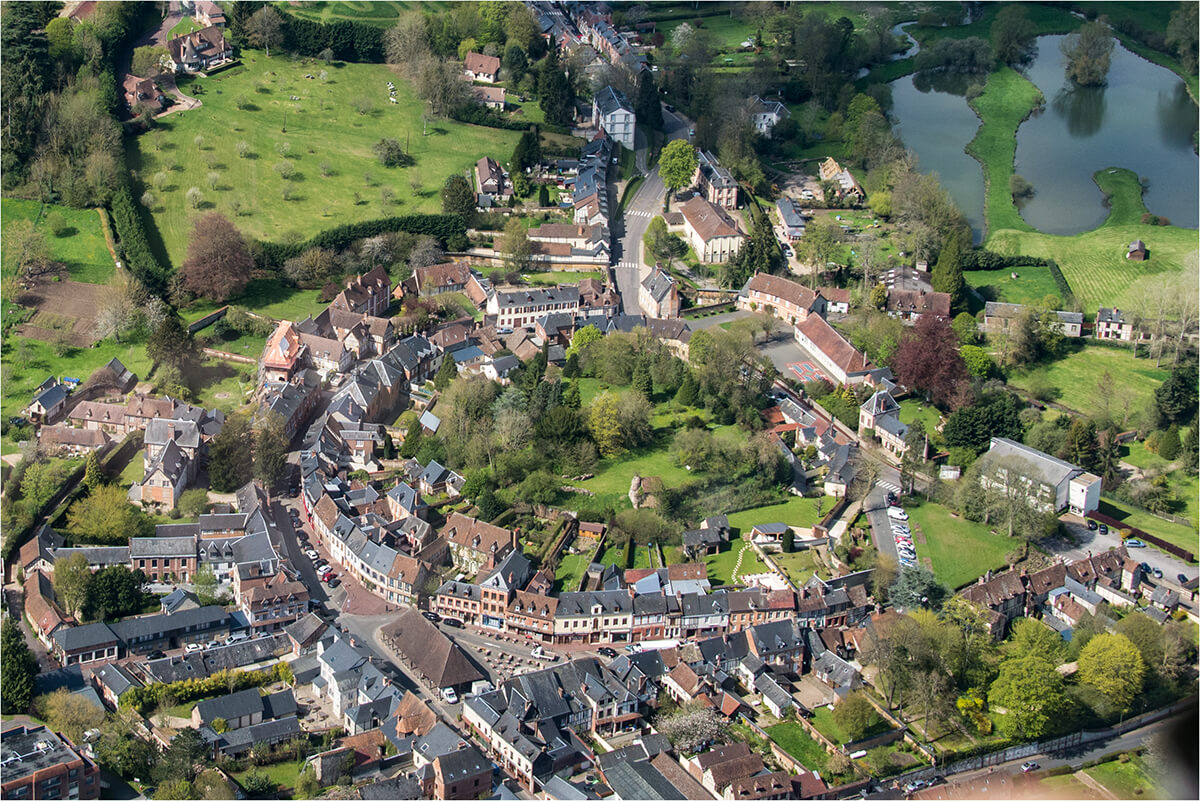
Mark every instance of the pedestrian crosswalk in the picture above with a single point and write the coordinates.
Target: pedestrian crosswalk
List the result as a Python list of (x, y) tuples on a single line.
[(629, 265), (636, 213), (889, 486)]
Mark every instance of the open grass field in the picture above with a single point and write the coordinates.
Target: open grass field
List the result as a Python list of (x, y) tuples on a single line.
[(41, 361), (960, 551), (913, 409), (1096, 380), (795, 511), (335, 179), (823, 720), (1127, 779), (284, 774), (382, 14), (82, 247), (796, 741), (1173, 533), (1030, 286), (728, 32), (721, 565), (1007, 99), (267, 296), (799, 565)]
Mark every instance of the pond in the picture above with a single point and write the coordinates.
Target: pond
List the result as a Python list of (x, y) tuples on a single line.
[(1143, 120), (936, 123)]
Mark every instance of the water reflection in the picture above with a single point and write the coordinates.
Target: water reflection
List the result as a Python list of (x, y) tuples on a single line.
[(951, 83), (1083, 109), (1177, 121)]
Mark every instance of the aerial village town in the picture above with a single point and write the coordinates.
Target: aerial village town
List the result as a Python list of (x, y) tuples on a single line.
[(585, 400)]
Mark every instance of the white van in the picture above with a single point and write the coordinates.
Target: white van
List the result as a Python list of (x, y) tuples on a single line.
[(241, 636)]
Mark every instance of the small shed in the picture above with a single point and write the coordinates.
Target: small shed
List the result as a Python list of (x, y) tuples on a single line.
[(1137, 251)]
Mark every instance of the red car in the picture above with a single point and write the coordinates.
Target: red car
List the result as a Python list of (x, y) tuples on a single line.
[(330, 575)]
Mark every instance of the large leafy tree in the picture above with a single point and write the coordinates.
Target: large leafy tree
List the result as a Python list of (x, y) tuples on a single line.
[(1089, 53), (186, 753), (1013, 35), (122, 750), (18, 669), (1033, 638), (928, 360), (1111, 663), (72, 714), (72, 577), (265, 29), (105, 515), (270, 448), (917, 587), (555, 92), (457, 196), (855, 715), (116, 591), (677, 164), (1183, 33), (231, 454), (1032, 692), (218, 263)]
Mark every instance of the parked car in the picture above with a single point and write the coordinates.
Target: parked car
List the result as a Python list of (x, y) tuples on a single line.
[(328, 577), (323, 569), (312, 555), (1103, 528), (1029, 767), (192, 647), (608, 652), (1181, 578), (1134, 544), (1145, 566), (449, 696), (433, 617), (891, 497), (1091, 524), (155, 654), (1157, 572), (896, 513), (453, 622)]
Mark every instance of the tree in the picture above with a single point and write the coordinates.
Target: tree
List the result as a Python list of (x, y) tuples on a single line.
[(72, 714), (390, 153), (789, 540), (193, 502), (446, 373), (104, 515), (265, 29), (1012, 35), (1146, 635), (605, 426), (1032, 692), (1089, 53), (173, 790), (693, 728), (643, 383), (205, 583), (516, 246), (947, 273), (172, 344), (677, 165), (1034, 638), (555, 93), (1175, 398), (1111, 664), (1082, 443), (26, 251), (688, 392), (71, 579), (458, 197), (92, 475), (122, 750), (116, 591), (915, 588), (270, 448), (1183, 33), (977, 361), (180, 760), (18, 668), (231, 453), (149, 61), (583, 337), (218, 264), (928, 359), (633, 416), (647, 105), (528, 151), (855, 715)]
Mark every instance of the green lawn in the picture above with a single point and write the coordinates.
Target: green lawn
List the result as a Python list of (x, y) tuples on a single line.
[(823, 720), (912, 409), (184, 26), (795, 511), (81, 249), (796, 741), (561, 277), (225, 384), (1137, 454), (799, 565), (960, 551), (720, 565), (270, 297), (1030, 286), (729, 33), (1171, 532), (570, 571), (616, 556), (382, 14), (1097, 380), (134, 471), (20, 382), (1007, 99), (282, 773), (265, 88), (1126, 779)]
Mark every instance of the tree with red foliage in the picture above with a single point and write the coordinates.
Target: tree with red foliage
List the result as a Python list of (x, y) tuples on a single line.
[(218, 264), (928, 360)]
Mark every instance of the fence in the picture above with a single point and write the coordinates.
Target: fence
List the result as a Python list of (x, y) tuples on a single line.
[(1171, 548), (697, 311)]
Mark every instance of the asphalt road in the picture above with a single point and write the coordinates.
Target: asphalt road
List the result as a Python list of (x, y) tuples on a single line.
[(645, 204)]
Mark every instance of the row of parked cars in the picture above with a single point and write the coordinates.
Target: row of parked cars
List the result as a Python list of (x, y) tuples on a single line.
[(898, 518)]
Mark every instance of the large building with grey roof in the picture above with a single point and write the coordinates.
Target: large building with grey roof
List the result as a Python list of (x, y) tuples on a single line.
[(1057, 485)]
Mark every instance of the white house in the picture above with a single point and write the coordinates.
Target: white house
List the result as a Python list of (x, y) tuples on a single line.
[(612, 111), (712, 233), (766, 114), (1060, 484)]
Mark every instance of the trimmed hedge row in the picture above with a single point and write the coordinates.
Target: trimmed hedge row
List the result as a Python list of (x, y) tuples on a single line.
[(989, 260), (442, 227), (477, 114), (131, 239), (1064, 289)]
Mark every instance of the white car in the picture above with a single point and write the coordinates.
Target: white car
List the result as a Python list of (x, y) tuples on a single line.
[(192, 647), (323, 569), (449, 696), (896, 513), (312, 555)]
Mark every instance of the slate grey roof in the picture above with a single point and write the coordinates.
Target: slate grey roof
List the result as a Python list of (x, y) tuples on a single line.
[(267, 731), (97, 554), (1050, 469), (232, 706), (184, 433), (116, 678), (51, 396), (513, 573), (568, 294), (658, 283), (610, 100), (177, 530), (1114, 316), (147, 547), (92, 635), (769, 688), (200, 618), (279, 704)]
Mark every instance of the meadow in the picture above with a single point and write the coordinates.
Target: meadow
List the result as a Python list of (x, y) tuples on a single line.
[(958, 550), (1096, 380), (323, 130), (81, 248), (381, 13), (1029, 287)]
